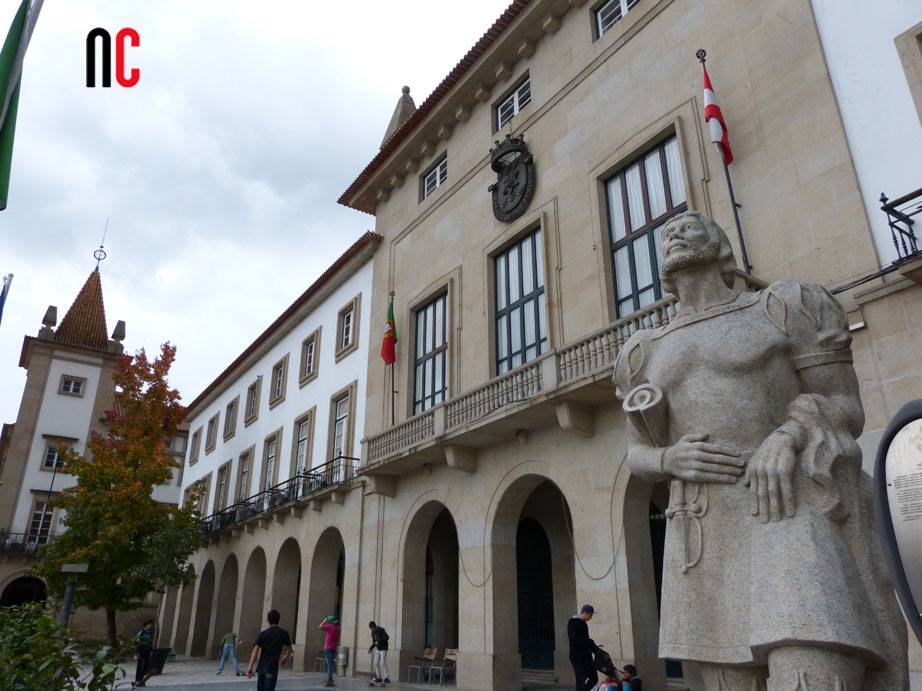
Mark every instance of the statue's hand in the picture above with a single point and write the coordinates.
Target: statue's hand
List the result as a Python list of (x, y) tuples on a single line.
[(770, 478), (693, 459)]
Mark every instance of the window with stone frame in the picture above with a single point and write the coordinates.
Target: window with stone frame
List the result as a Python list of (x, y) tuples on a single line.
[(640, 198), (510, 105), (40, 521), (204, 484), (430, 373), (195, 446), (301, 446), (278, 382), (211, 435), (347, 328), (222, 484), (251, 404), (53, 459), (434, 177), (270, 460), (72, 386), (244, 468), (230, 418), (340, 431), (310, 357), (609, 13), (520, 310)]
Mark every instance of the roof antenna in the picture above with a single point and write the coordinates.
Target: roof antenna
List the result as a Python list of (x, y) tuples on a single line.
[(100, 254)]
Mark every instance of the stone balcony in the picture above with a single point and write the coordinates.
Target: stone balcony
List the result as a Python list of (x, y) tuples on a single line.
[(559, 388)]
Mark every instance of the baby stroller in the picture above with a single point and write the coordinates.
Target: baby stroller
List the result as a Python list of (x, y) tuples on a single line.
[(605, 666)]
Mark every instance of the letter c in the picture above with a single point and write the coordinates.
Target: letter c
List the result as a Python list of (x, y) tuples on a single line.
[(134, 42)]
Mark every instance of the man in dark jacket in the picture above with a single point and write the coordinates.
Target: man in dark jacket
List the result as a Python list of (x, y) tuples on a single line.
[(582, 649), (144, 646)]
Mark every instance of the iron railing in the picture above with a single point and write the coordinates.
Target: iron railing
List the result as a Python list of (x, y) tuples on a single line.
[(21, 543), (900, 214), (302, 486)]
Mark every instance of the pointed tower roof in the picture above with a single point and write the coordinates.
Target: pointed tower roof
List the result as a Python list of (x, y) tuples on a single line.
[(405, 108), (84, 325)]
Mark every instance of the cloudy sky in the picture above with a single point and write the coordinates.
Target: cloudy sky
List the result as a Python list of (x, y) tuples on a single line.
[(219, 172)]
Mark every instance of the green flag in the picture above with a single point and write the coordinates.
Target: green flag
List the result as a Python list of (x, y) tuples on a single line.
[(11, 57)]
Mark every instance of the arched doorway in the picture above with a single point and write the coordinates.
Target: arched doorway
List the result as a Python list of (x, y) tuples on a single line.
[(325, 594), (286, 585), (184, 616), (254, 598), (22, 590), (226, 604), (203, 611), (532, 556)]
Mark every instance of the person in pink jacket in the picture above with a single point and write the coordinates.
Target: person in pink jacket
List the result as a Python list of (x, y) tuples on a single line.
[(331, 630)]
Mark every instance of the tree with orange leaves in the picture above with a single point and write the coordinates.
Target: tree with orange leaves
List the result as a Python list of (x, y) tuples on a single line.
[(132, 543)]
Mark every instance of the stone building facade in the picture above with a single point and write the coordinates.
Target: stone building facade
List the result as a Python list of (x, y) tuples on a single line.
[(492, 499), (68, 390)]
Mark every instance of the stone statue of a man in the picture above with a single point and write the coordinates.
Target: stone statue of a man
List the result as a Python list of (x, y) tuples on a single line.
[(748, 404)]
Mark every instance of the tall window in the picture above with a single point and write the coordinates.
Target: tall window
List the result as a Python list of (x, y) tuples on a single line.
[(435, 177), (230, 418), (302, 434), (211, 436), (346, 331), (251, 407), (510, 106), (196, 445), (53, 458), (521, 318), (278, 381), (610, 12), (347, 328), (40, 521), (340, 425), (310, 351), (430, 380), (243, 476), (220, 495), (641, 198), (269, 463)]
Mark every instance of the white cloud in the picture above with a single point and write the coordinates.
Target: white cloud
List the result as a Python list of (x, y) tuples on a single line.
[(220, 170)]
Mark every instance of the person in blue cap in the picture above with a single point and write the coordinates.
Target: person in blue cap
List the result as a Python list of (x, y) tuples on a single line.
[(582, 648)]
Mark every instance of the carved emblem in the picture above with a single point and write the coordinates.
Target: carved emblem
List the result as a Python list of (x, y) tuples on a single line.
[(515, 178)]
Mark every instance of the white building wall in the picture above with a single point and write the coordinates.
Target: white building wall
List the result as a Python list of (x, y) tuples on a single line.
[(59, 415), (332, 377), (881, 121)]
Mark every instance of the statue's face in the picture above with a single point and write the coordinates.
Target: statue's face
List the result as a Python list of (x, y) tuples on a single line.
[(686, 243)]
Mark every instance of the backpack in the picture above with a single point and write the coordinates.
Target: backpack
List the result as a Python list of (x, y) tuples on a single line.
[(604, 664)]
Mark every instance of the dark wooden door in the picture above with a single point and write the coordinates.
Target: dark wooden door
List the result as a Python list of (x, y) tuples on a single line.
[(535, 596)]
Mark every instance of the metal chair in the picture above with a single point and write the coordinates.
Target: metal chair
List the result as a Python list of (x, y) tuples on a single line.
[(446, 664)]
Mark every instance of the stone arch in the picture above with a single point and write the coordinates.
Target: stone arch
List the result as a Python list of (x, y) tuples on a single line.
[(286, 585), (254, 598), (23, 589), (203, 611), (429, 582), (184, 615), (167, 615), (226, 604), (325, 593), (532, 507), (643, 554)]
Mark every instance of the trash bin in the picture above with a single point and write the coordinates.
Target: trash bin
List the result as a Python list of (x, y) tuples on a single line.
[(342, 659), (158, 658)]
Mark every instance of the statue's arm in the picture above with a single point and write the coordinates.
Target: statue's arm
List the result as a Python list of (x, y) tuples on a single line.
[(838, 385), (644, 460)]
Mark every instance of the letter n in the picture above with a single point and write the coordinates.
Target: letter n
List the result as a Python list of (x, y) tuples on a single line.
[(91, 37)]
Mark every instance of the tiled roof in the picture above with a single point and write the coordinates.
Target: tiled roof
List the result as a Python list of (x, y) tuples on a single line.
[(84, 325), (488, 39), (312, 290)]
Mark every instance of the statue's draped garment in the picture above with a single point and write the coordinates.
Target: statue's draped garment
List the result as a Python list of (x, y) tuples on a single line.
[(734, 586)]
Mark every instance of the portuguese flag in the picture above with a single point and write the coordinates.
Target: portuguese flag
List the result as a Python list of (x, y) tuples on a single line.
[(389, 342)]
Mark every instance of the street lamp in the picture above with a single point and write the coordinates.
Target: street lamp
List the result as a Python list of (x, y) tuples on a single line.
[(69, 589)]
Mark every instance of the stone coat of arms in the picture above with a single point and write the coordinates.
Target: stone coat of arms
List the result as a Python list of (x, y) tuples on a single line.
[(515, 178)]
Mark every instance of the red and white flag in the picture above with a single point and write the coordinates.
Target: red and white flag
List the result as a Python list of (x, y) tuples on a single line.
[(715, 119)]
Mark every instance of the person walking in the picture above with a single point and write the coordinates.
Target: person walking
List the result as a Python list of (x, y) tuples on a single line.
[(331, 631), (144, 646), (272, 648), (229, 651), (582, 649), (378, 650)]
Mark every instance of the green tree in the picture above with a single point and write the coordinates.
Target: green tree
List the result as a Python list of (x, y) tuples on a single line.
[(132, 543)]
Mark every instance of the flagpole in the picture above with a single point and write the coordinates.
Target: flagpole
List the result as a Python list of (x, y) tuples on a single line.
[(747, 267), (393, 383)]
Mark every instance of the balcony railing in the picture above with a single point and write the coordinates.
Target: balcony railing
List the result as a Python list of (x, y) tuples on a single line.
[(559, 369), (304, 485), (22, 543), (900, 213)]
